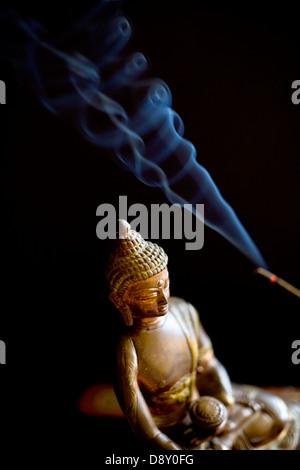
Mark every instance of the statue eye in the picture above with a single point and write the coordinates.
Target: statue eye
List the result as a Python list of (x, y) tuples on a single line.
[(147, 297)]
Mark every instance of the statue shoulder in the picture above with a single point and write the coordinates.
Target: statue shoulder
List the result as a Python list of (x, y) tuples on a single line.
[(186, 309), (187, 313)]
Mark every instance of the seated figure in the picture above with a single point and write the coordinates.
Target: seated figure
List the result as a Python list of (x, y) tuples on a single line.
[(172, 389)]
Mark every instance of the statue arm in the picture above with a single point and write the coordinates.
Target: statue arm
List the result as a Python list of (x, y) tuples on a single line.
[(131, 399), (212, 377)]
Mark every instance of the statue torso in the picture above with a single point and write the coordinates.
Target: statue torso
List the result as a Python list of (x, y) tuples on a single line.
[(166, 363), (164, 356)]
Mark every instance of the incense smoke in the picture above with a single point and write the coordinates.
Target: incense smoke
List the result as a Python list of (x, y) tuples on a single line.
[(102, 91)]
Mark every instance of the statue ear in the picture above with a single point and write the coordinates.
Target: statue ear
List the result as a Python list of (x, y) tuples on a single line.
[(122, 307)]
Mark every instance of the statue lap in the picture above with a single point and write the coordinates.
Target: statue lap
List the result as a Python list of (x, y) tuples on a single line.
[(257, 420)]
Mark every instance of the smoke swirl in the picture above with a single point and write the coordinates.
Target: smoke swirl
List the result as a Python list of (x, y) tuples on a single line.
[(112, 104)]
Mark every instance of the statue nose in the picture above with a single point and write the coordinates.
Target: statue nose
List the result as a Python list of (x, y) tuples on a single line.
[(163, 298)]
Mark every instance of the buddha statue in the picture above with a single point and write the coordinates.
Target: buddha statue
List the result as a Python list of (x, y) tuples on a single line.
[(172, 389)]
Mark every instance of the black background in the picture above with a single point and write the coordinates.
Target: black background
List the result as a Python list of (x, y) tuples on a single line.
[(230, 70)]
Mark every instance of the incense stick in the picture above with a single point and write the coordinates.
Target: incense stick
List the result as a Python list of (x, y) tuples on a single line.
[(277, 280)]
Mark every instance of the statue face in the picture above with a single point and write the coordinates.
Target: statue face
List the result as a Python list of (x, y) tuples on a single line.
[(149, 298)]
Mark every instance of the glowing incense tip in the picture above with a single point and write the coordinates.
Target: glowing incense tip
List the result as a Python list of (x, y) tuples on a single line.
[(275, 279)]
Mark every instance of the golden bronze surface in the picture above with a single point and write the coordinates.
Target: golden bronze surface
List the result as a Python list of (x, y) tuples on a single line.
[(172, 389)]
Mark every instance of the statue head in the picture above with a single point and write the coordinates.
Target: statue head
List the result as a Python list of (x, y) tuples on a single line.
[(137, 276)]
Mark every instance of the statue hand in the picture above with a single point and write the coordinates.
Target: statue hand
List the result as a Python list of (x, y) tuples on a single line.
[(163, 441), (226, 398)]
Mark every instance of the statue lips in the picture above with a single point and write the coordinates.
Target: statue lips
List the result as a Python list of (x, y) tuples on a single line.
[(163, 309)]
